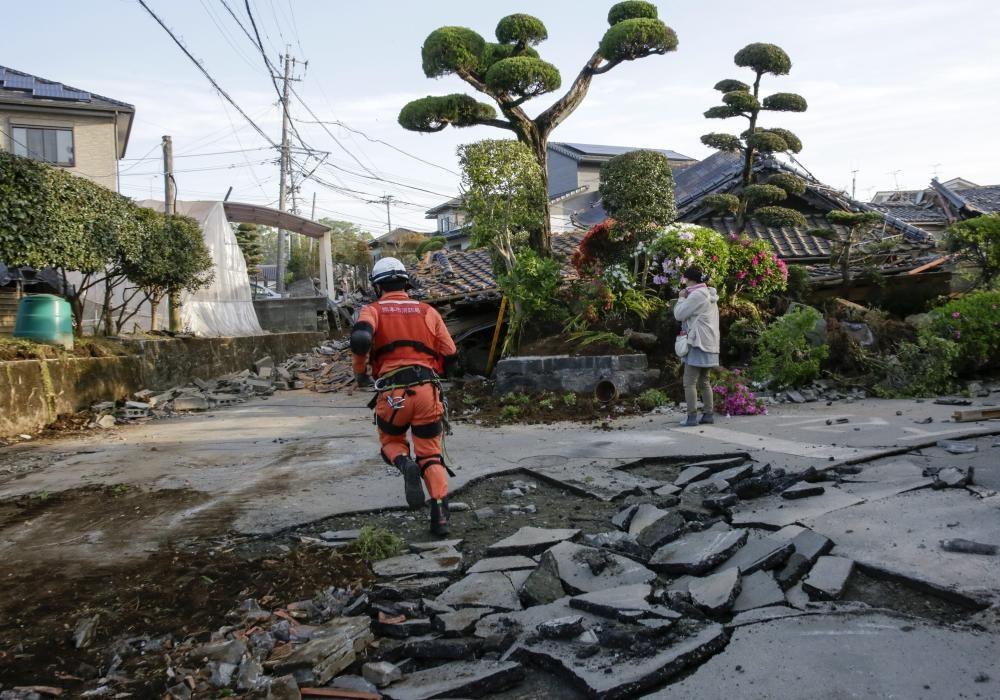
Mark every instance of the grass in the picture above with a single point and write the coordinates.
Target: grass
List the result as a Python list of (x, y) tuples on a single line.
[(376, 543)]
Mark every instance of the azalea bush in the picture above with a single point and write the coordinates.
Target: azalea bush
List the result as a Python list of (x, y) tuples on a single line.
[(973, 323), (733, 395), (680, 246), (755, 271), (602, 245)]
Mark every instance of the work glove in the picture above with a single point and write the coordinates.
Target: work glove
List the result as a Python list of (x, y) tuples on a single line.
[(364, 380)]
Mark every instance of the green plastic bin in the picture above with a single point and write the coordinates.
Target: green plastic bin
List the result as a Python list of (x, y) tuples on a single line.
[(45, 318)]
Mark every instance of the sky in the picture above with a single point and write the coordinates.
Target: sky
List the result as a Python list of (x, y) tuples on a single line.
[(898, 90)]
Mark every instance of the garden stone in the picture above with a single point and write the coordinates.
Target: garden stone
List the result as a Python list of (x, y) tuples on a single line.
[(759, 590), (716, 593), (697, 552), (795, 396), (511, 494), (483, 514), (458, 507), (828, 578)]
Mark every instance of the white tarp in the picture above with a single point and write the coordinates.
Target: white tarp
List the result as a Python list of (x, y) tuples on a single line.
[(223, 308)]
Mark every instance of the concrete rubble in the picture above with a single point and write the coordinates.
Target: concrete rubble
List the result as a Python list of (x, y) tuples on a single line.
[(327, 368)]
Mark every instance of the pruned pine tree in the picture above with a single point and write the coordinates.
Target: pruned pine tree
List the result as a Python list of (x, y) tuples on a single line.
[(760, 200), (511, 72), (248, 238)]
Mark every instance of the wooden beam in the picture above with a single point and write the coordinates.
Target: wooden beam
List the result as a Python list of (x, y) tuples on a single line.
[(931, 265), (975, 414)]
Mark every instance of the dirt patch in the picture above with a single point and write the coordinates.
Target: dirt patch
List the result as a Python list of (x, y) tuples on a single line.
[(171, 596), (22, 349), (896, 595), (556, 508), (476, 403)]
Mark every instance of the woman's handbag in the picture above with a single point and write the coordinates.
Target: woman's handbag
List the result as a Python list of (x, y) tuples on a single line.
[(681, 345)]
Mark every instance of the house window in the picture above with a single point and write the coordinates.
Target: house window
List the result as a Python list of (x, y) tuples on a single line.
[(445, 224), (44, 143)]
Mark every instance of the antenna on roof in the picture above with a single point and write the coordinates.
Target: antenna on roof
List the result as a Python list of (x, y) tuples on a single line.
[(895, 177), (936, 167)]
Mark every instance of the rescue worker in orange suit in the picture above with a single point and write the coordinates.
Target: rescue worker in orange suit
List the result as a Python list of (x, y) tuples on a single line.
[(408, 347)]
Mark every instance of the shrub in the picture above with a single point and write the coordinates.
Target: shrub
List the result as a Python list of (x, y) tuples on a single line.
[(923, 368), (784, 356), (978, 240), (973, 323), (652, 398), (798, 283), (755, 271), (734, 396), (510, 413), (375, 543), (602, 245), (569, 399), (679, 246)]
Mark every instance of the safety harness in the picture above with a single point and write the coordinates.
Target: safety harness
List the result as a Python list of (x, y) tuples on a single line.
[(402, 380)]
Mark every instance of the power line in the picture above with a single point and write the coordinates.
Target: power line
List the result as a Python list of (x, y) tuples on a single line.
[(208, 75), (204, 155), (341, 124)]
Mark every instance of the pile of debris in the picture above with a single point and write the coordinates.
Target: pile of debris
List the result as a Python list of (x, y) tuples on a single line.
[(326, 369)]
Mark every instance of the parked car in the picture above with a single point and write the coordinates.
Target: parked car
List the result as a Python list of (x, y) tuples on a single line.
[(259, 291)]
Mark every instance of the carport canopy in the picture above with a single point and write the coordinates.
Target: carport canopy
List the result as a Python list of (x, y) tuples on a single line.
[(240, 213)]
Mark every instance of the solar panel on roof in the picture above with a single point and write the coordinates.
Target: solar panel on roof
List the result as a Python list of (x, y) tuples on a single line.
[(19, 82), (59, 92)]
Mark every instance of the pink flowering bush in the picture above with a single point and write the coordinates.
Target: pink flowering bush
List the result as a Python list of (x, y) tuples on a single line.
[(755, 271), (733, 396), (679, 246), (973, 323)]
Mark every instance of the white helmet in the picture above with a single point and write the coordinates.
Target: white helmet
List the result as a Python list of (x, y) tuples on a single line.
[(386, 269)]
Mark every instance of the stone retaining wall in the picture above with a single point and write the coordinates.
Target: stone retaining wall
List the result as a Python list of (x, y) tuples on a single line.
[(34, 392), (629, 373)]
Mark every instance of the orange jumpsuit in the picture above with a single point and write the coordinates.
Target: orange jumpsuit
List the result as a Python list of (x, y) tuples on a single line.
[(408, 334)]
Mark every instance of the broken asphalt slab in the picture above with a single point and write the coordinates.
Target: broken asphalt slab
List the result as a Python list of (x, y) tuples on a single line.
[(457, 679), (586, 569), (434, 562), (602, 483), (530, 540), (773, 512), (610, 674), (901, 536), (698, 552), (495, 589), (853, 655)]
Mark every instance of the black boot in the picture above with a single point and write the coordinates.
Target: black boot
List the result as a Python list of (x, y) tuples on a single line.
[(413, 485), (439, 517)]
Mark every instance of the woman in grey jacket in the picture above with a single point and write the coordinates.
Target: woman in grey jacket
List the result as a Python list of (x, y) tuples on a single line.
[(698, 311)]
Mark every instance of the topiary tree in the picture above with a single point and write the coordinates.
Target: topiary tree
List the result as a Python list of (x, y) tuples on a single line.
[(742, 100), (978, 240), (637, 191), (249, 241), (510, 72), (857, 242), (432, 244)]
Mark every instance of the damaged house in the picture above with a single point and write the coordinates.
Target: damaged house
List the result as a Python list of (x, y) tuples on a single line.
[(462, 282)]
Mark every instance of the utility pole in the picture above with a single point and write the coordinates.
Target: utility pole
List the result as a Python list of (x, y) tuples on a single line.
[(387, 199), (284, 169), (169, 200), (854, 183)]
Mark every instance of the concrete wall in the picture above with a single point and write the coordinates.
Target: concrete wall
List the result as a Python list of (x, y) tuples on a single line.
[(292, 314), (629, 373), (34, 392), (94, 141)]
